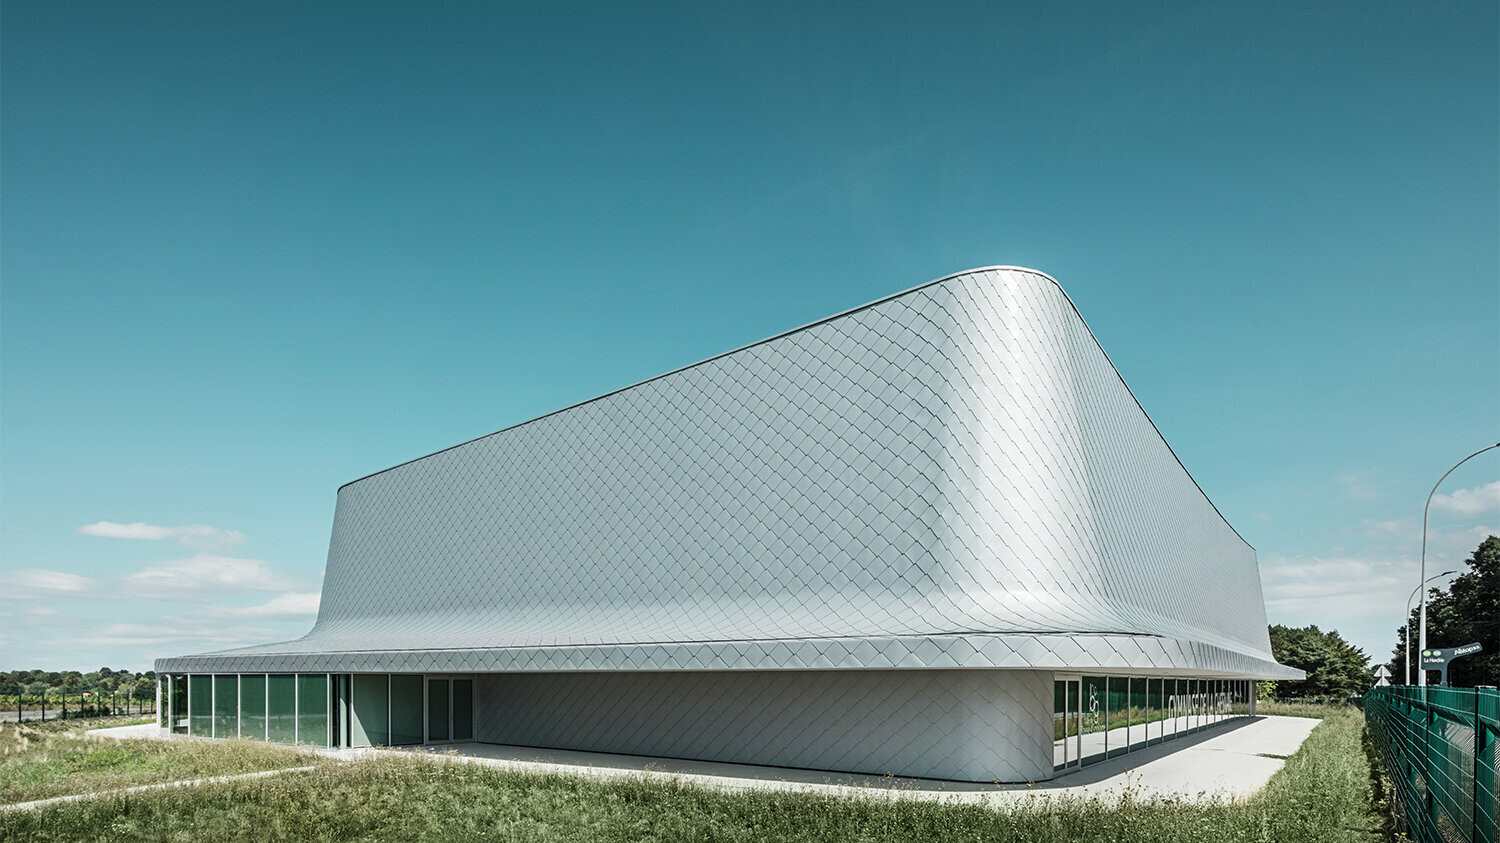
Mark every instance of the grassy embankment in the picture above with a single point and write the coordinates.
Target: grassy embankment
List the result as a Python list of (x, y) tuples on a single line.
[(57, 758), (1323, 794)]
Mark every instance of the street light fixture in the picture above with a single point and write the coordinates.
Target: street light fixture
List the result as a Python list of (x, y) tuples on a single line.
[(1408, 619), (1422, 675)]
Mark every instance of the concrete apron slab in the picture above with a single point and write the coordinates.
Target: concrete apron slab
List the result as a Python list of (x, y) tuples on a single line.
[(1230, 761), (1221, 763)]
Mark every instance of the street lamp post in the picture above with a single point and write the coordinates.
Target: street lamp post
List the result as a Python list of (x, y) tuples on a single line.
[(1408, 619), (1422, 674)]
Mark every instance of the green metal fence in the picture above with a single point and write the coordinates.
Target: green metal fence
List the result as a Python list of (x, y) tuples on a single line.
[(1439, 747)]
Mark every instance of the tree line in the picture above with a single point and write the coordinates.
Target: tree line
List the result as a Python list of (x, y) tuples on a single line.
[(35, 683), (1467, 611)]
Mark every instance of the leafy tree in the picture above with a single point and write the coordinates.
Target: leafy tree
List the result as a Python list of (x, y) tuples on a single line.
[(1468, 611), (1334, 667)]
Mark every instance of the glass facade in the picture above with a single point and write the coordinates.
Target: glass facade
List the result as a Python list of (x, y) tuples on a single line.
[(437, 709), (281, 707), (370, 724), (1096, 717), (463, 709), (176, 709), (1157, 722), (253, 706), (325, 709), (312, 709), (1095, 725), (200, 705), (226, 706), (406, 709)]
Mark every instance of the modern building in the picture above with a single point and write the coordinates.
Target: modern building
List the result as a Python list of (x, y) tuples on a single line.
[(934, 535)]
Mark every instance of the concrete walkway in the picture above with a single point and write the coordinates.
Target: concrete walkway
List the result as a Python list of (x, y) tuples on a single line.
[(1229, 761), (37, 803)]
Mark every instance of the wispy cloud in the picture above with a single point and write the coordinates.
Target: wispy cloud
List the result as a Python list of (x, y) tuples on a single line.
[(204, 574), (1475, 501), (36, 582), (1363, 592), (194, 536), (1360, 485), (283, 605), (190, 632)]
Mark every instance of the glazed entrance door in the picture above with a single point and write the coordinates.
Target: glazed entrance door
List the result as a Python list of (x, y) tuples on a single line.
[(450, 709), (1067, 722)]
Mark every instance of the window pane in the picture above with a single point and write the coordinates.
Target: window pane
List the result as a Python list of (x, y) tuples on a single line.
[(1059, 724), (370, 724), (1179, 718), (463, 709), (437, 709), (1158, 710), (201, 705), (312, 708), (282, 709), (179, 714), (1139, 711), (226, 706), (1070, 723), (1116, 699), (340, 712), (253, 706), (1095, 724), (406, 709)]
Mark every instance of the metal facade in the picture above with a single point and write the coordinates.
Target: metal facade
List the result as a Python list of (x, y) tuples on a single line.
[(968, 725), (951, 477)]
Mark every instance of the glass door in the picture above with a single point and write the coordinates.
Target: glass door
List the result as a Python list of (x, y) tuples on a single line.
[(1067, 722), (450, 709)]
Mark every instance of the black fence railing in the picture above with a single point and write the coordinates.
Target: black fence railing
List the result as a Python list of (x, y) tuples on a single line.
[(1439, 748), (72, 704)]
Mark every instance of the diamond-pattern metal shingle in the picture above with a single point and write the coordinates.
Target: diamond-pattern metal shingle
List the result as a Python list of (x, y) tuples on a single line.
[(954, 476)]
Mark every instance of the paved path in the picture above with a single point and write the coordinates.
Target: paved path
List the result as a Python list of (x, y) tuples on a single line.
[(24, 806), (1230, 761)]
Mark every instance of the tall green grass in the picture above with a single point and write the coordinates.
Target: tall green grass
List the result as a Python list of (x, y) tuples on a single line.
[(57, 758), (1322, 794)]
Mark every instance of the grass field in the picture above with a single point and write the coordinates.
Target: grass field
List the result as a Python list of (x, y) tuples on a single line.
[(56, 758), (1323, 794)]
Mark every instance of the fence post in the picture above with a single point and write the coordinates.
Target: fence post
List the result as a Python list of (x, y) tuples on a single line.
[(1474, 774)]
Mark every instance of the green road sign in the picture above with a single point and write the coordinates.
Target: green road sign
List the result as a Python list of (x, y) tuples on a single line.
[(1440, 658)]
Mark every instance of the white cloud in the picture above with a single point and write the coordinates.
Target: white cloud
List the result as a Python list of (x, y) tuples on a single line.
[(289, 604), (1363, 593), (1475, 501), (204, 573), (35, 582), (195, 536), (1403, 527), (187, 633)]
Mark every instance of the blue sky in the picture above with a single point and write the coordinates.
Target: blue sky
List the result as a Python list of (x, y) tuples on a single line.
[(253, 251)]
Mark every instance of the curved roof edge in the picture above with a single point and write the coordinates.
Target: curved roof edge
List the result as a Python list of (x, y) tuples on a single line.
[(842, 313), (1114, 653)]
